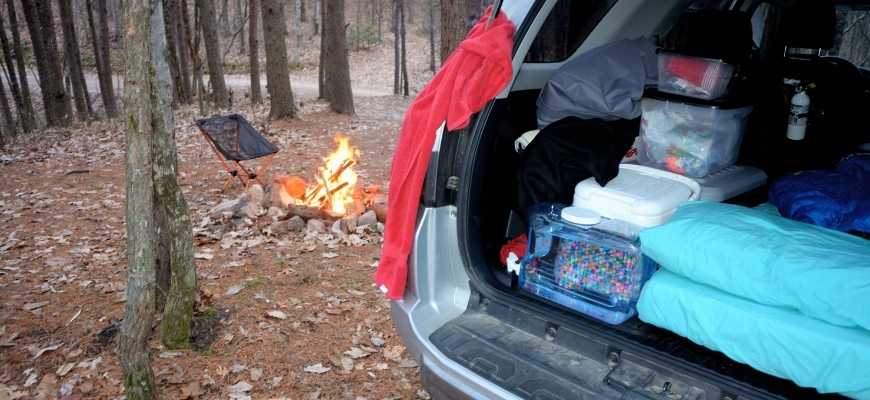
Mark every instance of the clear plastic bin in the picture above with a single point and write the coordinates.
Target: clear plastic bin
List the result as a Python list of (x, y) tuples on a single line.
[(594, 266), (690, 137), (702, 78)]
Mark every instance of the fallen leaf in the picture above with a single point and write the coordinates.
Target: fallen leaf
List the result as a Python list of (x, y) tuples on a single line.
[(65, 369), (31, 378), (356, 352), (276, 314), (329, 255), (256, 374), (202, 256), (74, 317), (394, 353), (316, 368), (240, 391), (408, 363), (35, 306), (8, 341), (191, 391), (377, 341), (238, 368), (170, 354), (346, 364), (235, 289), (38, 352)]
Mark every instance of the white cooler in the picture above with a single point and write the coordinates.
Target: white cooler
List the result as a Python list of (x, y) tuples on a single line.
[(640, 195)]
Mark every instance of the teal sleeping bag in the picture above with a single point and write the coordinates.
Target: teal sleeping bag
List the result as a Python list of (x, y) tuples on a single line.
[(767, 259), (775, 340)]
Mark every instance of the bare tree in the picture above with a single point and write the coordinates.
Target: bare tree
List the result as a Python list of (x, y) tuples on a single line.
[(277, 77), (254, 51), (402, 9), (224, 18), (453, 25), (8, 120), (74, 60), (100, 40), (11, 73), (180, 93), (336, 66), (220, 96), (296, 28), (240, 27), (40, 24), (431, 32), (25, 114), (141, 253)]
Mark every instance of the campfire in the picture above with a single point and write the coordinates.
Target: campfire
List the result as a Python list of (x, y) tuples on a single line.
[(332, 191)]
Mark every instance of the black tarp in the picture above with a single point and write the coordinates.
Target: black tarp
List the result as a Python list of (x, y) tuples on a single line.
[(235, 138)]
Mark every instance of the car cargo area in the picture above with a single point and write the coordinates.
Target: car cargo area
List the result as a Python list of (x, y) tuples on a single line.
[(614, 354)]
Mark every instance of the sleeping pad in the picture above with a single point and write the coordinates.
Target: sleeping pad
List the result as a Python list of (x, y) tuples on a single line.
[(767, 259), (776, 340)]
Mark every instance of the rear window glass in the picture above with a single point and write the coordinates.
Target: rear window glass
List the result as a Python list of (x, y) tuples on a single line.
[(852, 40), (569, 23)]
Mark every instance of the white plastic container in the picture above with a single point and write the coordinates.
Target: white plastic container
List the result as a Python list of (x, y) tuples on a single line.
[(702, 78), (690, 137), (731, 182), (640, 195)]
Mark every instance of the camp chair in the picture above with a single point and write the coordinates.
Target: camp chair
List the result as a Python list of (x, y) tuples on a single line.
[(234, 140)]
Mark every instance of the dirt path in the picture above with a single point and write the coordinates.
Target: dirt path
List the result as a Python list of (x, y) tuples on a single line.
[(62, 273)]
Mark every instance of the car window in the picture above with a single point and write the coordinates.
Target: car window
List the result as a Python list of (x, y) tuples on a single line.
[(852, 40), (569, 23)]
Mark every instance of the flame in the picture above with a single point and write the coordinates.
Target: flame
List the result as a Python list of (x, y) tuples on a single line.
[(333, 188)]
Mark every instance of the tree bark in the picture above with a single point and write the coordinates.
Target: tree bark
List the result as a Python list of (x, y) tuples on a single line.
[(220, 96), (25, 114), (453, 25), (405, 88), (317, 16), (173, 216), (179, 95), (74, 57), (40, 24), (177, 13), (240, 25), (8, 120), (224, 19), (302, 11), (254, 51), (296, 28), (277, 77), (432, 35), (103, 56), (397, 51), (11, 73), (322, 88), (337, 65), (139, 309)]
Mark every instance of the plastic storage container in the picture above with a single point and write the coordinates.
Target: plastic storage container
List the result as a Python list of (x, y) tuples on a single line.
[(701, 78), (584, 262), (688, 136), (643, 196)]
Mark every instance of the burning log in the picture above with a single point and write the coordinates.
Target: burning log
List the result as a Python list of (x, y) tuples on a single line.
[(307, 212)]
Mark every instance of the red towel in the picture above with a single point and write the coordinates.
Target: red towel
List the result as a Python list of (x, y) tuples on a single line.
[(473, 74)]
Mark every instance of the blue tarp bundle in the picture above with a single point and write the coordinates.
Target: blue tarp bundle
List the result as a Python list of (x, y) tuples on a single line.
[(838, 199)]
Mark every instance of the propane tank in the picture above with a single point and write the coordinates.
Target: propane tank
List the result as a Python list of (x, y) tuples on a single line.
[(797, 116)]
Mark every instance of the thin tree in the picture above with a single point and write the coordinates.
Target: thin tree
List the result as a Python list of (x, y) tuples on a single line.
[(405, 88), (139, 309), (100, 38), (175, 230), (397, 50), (178, 14), (240, 26), (179, 96), (25, 114), (74, 59), (337, 67), (322, 88), (296, 28), (8, 120), (277, 76), (220, 96), (224, 18), (254, 51), (453, 25), (40, 25), (10, 72), (431, 35)]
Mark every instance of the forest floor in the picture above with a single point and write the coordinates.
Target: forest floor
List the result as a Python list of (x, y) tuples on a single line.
[(63, 271)]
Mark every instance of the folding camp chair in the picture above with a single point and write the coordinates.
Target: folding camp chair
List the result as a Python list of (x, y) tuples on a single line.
[(234, 140)]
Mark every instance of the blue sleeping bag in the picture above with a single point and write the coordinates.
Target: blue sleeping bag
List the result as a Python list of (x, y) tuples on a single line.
[(767, 259), (838, 199)]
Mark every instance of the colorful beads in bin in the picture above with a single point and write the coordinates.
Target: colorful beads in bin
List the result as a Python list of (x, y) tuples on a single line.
[(601, 270)]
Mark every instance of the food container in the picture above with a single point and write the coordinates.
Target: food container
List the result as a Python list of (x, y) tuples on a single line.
[(702, 78), (584, 262), (690, 137)]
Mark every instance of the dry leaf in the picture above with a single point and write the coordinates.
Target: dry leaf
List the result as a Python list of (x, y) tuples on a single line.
[(316, 368), (65, 369), (191, 391), (276, 314), (393, 353), (356, 352)]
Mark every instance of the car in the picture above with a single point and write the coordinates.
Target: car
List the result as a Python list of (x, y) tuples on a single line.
[(473, 333)]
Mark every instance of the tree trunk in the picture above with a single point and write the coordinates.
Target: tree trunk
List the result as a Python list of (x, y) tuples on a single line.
[(453, 25), (296, 28), (277, 76), (397, 51), (10, 72), (322, 87), (40, 24), (177, 14), (405, 88), (118, 19), (25, 114), (197, 61), (74, 58), (432, 35), (224, 19), (173, 216), (185, 47), (302, 11), (178, 94), (139, 309), (317, 16), (8, 120), (220, 96), (103, 56), (337, 66), (240, 25), (254, 51)]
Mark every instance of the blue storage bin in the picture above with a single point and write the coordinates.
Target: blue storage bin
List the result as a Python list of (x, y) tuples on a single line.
[(585, 262)]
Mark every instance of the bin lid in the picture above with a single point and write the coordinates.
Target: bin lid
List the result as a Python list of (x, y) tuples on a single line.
[(641, 195)]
